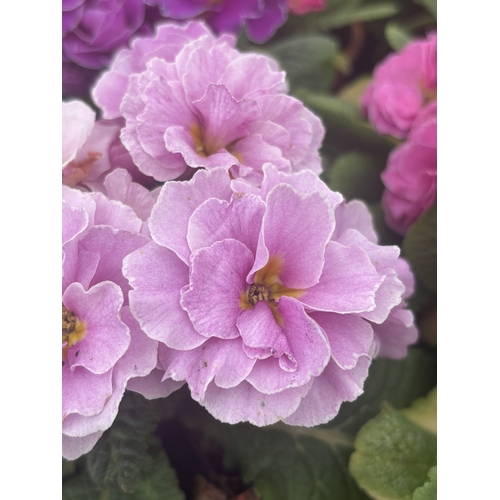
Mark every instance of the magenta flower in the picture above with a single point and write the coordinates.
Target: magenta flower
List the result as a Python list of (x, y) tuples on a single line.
[(191, 100), (264, 300), (261, 17), (411, 174), (102, 345), (403, 84)]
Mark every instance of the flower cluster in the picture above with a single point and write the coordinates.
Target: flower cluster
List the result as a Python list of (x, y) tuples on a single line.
[(192, 100), (401, 101), (243, 275), (93, 30)]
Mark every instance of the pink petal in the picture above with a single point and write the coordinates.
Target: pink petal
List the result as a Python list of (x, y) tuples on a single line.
[(177, 202), (153, 386), (339, 385), (348, 283), (107, 337), (84, 392), (309, 349), (157, 276), (244, 403), (260, 332), (215, 220), (296, 228), (349, 337), (223, 361), (75, 447), (216, 281), (138, 361)]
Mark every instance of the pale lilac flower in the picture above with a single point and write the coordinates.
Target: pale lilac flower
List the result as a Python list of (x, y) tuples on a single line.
[(403, 84), (261, 17), (102, 345), (91, 149), (192, 100), (265, 299), (411, 174)]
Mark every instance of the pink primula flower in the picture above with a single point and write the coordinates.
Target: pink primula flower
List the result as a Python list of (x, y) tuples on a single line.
[(90, 149), (191, 100), (411, 174), (266, 300), (403, 84), (102, 345)]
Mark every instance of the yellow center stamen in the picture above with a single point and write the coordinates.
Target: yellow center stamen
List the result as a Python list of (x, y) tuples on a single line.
[(205, 146), (267, 287), (73, 330)]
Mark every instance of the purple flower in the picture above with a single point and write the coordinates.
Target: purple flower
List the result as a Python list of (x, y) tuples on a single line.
[(402, 86), (261, 17), (192, 100), (92, 30), (411, 174), (102, 344), (266, 300)]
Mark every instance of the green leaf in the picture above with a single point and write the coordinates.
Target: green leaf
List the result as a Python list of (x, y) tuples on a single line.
[(120, 456), (423, 412), (392, 381), (158, 482), (397, 35), (429, 490), (307, 60), (81, 487), (353, 91), (350, 12), (393, 456), (420, 248), (357, 175), (430, 5), (285, 465), (347, 130)]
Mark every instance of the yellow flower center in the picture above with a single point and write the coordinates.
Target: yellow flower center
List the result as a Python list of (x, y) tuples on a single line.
[(73, 330), (205, 147), (268, 287)]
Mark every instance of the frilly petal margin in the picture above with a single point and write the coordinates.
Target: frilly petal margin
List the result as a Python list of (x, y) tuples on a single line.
[(340, 385)]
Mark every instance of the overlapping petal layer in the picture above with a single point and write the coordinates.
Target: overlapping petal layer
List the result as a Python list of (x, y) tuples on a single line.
[(268, 301)]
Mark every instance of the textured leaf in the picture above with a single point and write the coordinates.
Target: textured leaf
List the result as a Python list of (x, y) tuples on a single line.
[(121, 454), (420, 248), (307, 60), (158, 482), (397, 35), (347, 130), (393, 456), (429, 490), (357, 175), (285, 465), (397, 382)]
